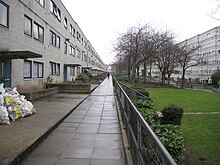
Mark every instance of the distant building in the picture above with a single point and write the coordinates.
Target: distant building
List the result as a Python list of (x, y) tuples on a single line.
[(209, 52), (39, 38)]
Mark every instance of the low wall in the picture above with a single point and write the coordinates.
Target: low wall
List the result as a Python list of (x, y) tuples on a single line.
[(73, 88), (33, 95)]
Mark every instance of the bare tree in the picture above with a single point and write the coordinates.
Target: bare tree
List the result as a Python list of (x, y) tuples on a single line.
[(215, 11), (151, 43), (187, 58), (166, 55)]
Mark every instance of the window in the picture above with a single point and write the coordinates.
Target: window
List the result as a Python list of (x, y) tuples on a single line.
[(27, 69), (54, 68), (27, 25), (58, 69), (54, 39), (78, 70), (72, 30), (78, 53), (41, 2), (38, 32), (65, 47), (38, 70), (78, 36), (72, 71), (65, 22), (55, 10), (58, 42), (72, 51), (4, 14)]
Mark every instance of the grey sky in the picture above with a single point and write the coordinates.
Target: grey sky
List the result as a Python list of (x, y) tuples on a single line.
[(103, 20)]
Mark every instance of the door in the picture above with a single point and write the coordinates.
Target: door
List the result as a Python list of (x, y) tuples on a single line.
[(5, 72), (65, 74)]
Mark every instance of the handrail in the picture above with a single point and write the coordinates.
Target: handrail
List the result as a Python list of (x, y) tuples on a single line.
[(144, 145)]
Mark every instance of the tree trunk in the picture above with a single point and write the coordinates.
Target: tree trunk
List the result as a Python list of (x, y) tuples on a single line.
[(145, 71), (129, 69), (183, 79), (163, 77), (138, 76), (150, 73), (169, 79), (133, 74)]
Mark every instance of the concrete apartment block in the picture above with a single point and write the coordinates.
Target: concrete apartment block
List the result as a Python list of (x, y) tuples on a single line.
[(39, 38), (209, 52)]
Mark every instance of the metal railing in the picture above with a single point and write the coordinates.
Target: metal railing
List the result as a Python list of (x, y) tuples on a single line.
[(145, 147)]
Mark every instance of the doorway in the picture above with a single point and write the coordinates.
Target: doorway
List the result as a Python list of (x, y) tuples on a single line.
[(5, 72), (65, 74)]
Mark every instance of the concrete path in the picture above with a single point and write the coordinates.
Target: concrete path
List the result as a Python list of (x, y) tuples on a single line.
[(21, 136), (90, 135)]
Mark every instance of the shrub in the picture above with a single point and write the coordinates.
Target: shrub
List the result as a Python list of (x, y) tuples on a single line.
[(215, 78), (172, 115), (82, 77), (172, 139), (146, 108), (143, 91), (143, 103)]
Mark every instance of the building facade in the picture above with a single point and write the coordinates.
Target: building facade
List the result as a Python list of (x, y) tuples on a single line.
[(208, 51), (39, 38)]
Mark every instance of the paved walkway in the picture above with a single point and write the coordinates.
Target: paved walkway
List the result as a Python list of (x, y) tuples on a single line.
[(90, 135)]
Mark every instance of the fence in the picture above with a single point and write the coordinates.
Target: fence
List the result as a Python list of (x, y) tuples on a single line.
[(145, 147)]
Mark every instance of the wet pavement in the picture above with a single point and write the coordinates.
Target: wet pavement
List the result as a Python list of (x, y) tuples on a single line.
[(90, 135)]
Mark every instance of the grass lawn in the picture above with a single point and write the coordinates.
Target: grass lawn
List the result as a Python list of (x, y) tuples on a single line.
[(202, 138), (201, 132), (189, 100)]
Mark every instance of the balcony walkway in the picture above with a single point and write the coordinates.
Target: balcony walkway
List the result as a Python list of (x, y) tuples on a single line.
[(90, 135)]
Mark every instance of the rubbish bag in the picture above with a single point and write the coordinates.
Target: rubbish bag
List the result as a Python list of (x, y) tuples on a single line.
[(15, 112), (27, 108), (2, 100), (2, 90), (4, 119)]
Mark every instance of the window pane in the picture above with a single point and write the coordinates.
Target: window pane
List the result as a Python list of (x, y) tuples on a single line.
[(74, 74), (27, 26), (54, 68), (51, 68), (36, 31), (70, 49), (58, 42), (3, 15), (54, 39), (58, 69), (65, 22), (51, 39), (41, 34), (74, 51), (40, 70), (59, 14), (65, 47), (42, 2), (35, 69), (27, 69), (51, 6)]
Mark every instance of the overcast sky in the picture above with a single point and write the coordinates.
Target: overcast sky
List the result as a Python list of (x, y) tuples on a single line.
[(103, 20)]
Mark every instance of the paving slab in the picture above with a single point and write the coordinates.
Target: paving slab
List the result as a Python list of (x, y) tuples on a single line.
[(21, 136), (94, 139)]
